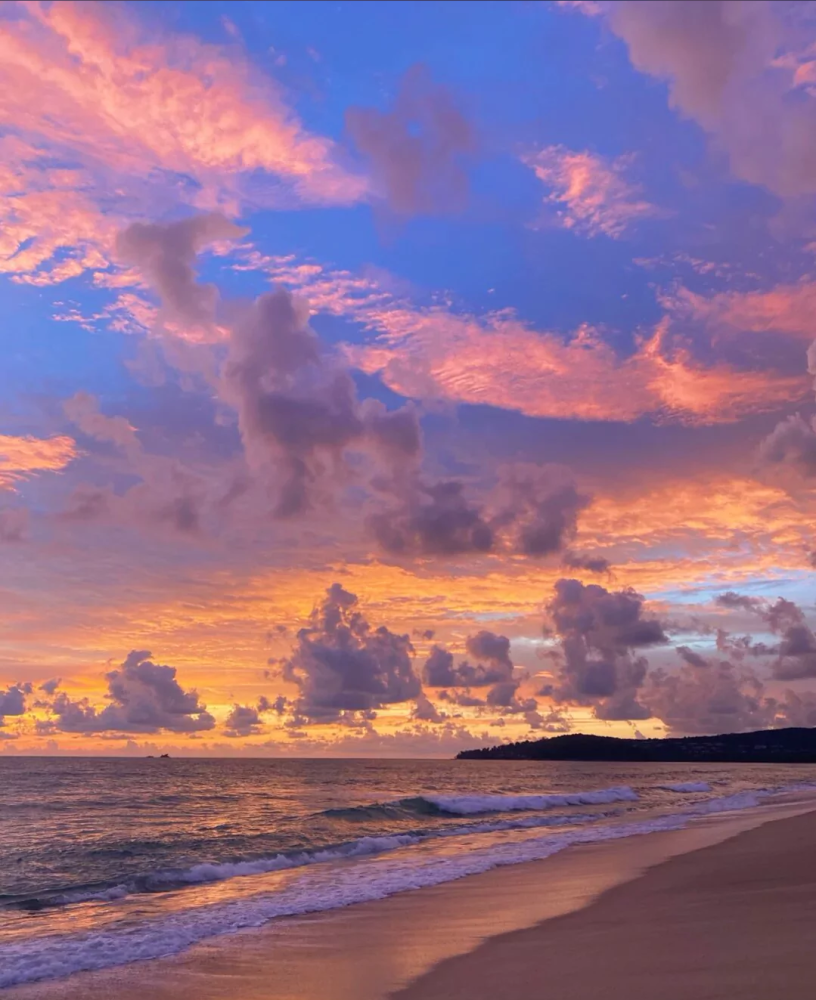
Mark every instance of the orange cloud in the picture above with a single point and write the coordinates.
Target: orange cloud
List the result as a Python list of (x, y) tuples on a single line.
[(589, 194), (21, 457)]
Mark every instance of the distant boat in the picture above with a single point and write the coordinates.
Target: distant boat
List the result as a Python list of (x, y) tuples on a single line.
[(165, 755)]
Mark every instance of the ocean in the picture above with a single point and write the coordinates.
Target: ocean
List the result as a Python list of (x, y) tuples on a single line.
[(104, 862)]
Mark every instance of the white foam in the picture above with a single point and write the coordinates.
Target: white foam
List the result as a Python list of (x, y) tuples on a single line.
[(216, 872), (221, 871), (469, 805), (727, 803), (86, 896), (688, 786)]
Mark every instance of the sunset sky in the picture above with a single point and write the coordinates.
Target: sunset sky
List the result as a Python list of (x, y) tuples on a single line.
[(390, 379)]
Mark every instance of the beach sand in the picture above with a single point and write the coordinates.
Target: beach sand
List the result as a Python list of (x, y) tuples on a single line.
[(736, 920), (679, 930)]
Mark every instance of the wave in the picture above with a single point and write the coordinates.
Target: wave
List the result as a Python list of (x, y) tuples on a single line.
[(469, 805), (205, 872), (687, 786)]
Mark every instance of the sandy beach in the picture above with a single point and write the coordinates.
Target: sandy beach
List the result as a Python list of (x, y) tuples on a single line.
[(723, 908), (736, 920)]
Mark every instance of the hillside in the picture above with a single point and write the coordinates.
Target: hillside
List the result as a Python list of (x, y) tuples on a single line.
[(776, 746)]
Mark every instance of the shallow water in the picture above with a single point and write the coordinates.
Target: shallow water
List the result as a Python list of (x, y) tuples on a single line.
[(106, 862)]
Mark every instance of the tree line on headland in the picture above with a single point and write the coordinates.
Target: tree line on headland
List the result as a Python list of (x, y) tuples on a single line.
[(772, 746)]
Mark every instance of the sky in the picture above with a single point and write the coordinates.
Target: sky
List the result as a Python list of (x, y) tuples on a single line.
[(387, 379)]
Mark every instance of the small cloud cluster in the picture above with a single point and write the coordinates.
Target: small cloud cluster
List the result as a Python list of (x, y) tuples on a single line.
[(342, 664), (433, 519), (245, 720), (22, 457), (488, 666), (791, 444), (418, 149), (13, 701), (533, 511), (589, 194), (145, 697), (599, 630), (166, 255), (795, 657)]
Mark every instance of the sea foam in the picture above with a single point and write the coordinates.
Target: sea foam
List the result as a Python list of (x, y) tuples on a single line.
[(469, 805)]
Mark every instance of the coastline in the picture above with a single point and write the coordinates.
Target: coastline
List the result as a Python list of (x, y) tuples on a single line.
[(372, 950), (733, 920)]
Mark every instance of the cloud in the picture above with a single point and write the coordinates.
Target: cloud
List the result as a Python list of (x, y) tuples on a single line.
[(82, 409), (783, 309), (130, 103), (739, 70), (492, 667), (791, 443), (145, 697), (292, 407), (13, 523), (540, 508), (298, 407), (589, 194), (581, 560), (796, 653), (499, 361), (690, 657), (51, 686), (23, 457), (424, 710), (13, 701), (598, 630), (169, 496), (532, 510), (715, 698), (243, 720), (417, 150), (165, 255), (434, 519), (439, 670), (341, 663), (103, 124)]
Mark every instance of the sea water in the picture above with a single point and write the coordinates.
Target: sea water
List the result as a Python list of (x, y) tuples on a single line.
[(106, 862)]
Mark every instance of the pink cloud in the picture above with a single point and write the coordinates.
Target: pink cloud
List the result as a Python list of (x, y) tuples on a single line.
[(431, 352), (498, 360), (78, 82), (788, 309), (735, 67), (589, 194), (22, 457)]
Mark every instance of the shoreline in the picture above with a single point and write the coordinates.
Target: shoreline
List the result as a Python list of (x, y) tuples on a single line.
[(732, 920), (371, 950)]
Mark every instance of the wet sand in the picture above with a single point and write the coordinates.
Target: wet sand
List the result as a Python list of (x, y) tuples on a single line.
[(372, 950), (736, 920)]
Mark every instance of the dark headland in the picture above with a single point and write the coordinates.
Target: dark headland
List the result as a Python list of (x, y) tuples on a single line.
[(767, 746)]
